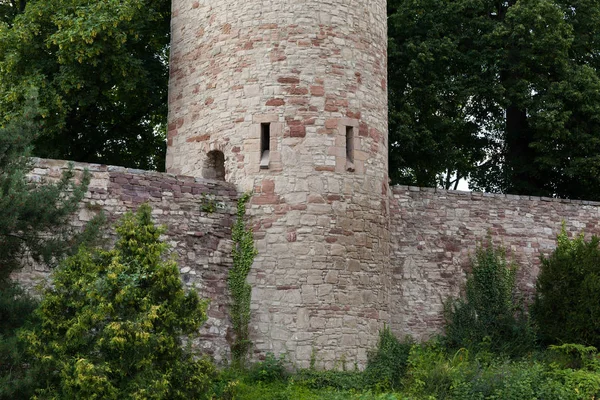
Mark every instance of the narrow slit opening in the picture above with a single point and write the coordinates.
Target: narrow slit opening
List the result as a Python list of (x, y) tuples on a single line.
[(350, 144), (265, 145)]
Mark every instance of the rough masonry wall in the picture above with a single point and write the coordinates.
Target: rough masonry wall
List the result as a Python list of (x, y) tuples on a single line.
[(315, 71), (309, 68), (434, 233), (201, 240)]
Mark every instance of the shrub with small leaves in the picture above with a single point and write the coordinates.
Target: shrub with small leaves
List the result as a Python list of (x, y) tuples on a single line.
[(490, 316), (112, 323), (387, 363), (271, 369)]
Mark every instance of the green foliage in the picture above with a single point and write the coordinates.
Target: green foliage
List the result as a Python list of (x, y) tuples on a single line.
[(387, 363), (490, 315), (305, 385), (32, 209), (17, 374), (331, 379), (209, 204), (567, 304), (112, 323), (101, 68), (431, 373), (506, 92), (243, 257), (575, 356), (270, 370)]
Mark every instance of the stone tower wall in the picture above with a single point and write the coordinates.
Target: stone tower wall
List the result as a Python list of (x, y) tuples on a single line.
[(314, 71), (434, 233)]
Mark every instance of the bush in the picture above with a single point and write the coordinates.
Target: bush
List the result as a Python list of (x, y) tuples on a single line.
[(490, 316), (432, 373), (386, 365), (270, 370), (567, 303), (111, 326), (17, 375), (330, 379)]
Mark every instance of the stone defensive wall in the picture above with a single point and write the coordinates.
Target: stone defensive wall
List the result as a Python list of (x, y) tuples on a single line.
[(336, 303), (199, 239), (435, 232)]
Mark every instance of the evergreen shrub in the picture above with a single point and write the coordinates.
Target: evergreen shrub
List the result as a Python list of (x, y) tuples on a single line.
[(111, 325), (17, 374), (567, 303)]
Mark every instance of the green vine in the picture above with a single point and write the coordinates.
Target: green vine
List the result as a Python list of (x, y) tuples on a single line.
[(243, 257)]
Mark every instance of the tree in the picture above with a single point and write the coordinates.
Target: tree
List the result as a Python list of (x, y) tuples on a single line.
[(29, 209), (111, 325), (34, 221), (432, 133), (101, 69), (522, 77)]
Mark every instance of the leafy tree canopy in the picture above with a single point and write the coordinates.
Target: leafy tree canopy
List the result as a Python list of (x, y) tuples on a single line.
[(505, 92), (101, 70)]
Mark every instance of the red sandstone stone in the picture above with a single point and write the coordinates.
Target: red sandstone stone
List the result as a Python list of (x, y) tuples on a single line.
[(291, 237), (363, 130), (200, 138), (275, 102), (298, 91), (289, 80), (268, 186), (297, 131), (331, 123)]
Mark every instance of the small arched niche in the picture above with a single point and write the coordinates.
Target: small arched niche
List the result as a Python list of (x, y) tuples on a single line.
[(214, 165)]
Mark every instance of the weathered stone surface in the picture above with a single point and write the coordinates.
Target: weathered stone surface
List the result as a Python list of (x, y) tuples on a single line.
[(313, 71), (313, 298), (435, 232), (200, 241)]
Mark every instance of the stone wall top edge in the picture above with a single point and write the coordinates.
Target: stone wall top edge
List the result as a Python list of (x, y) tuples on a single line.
[(400, 189), (80, 166)]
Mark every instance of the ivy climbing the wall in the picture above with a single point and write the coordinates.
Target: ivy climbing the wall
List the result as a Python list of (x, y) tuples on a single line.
[(243, 257)]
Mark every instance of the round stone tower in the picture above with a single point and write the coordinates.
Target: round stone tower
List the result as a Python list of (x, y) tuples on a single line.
[(288, 99)]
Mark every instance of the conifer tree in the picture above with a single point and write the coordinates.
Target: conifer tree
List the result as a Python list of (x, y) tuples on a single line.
[(111, 325), (34, 215)]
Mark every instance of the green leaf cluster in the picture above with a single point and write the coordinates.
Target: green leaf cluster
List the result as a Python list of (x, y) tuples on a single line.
[(17, 375), (388, 362), (567, 303), (102, 73), (112, 324), (506, 93), (490, 315), (31, 209), (240, 290)]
